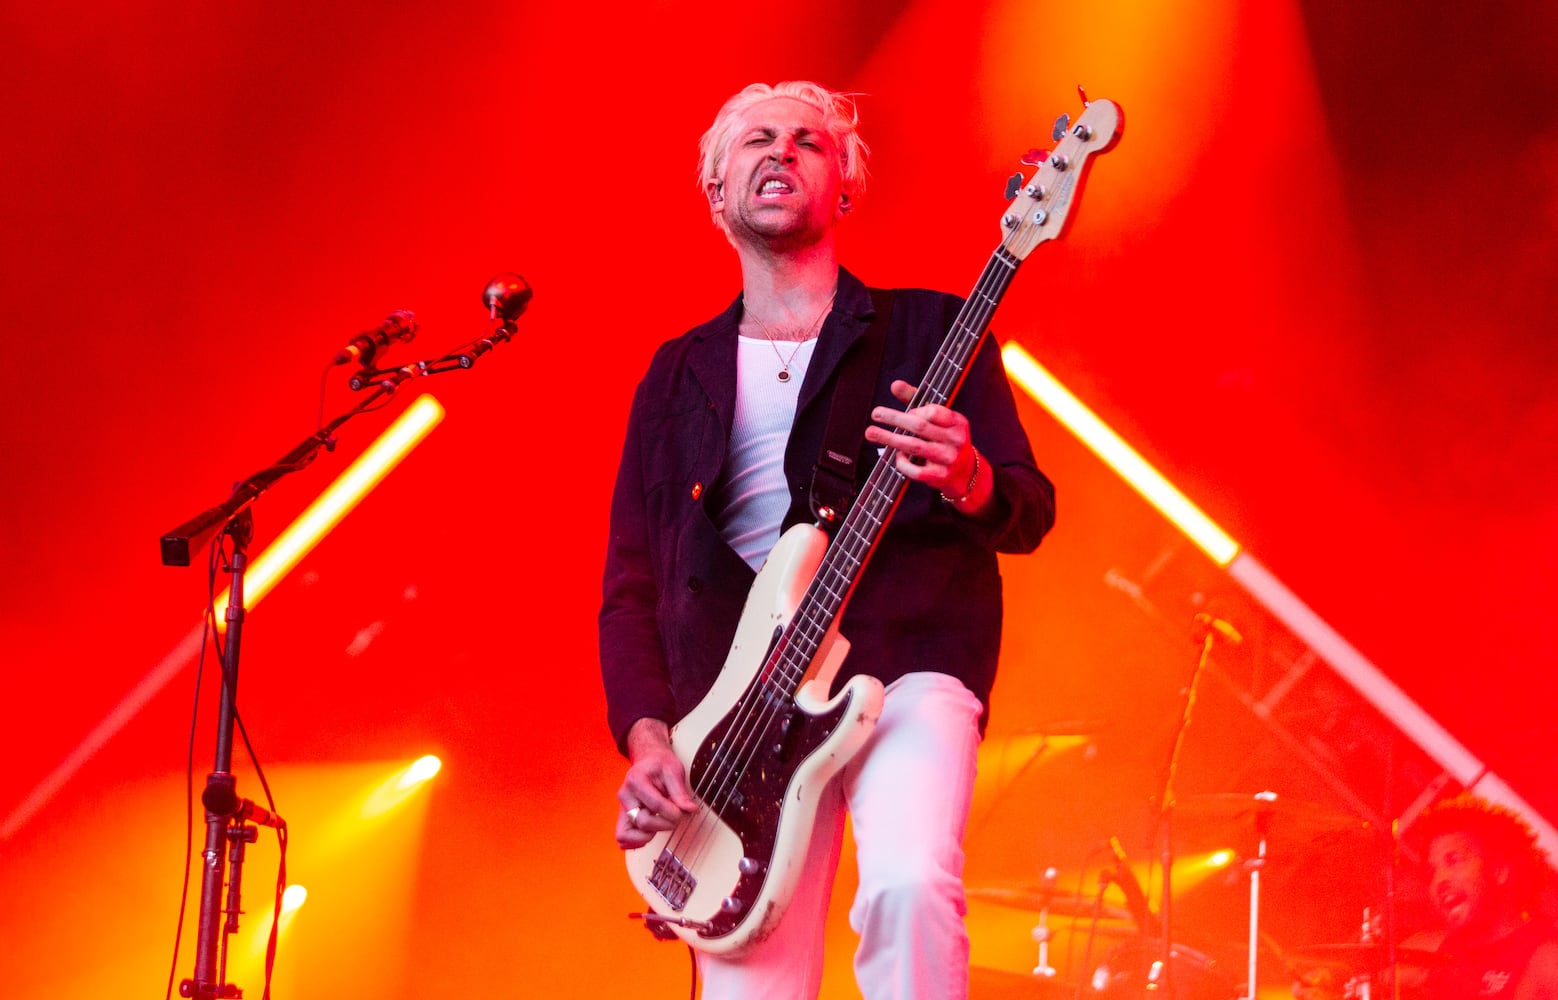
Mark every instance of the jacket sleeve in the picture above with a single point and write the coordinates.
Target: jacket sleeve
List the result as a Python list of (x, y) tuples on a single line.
[(632, 655), (1022, 510)]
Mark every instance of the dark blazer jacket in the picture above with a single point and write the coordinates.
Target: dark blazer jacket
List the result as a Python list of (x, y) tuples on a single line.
[(929, 598)]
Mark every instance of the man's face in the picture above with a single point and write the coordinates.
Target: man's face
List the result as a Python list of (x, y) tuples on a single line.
[(1464, 885), (781, 181)]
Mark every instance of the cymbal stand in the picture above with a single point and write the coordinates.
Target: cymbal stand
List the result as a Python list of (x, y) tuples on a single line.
[(1255, 865), (1162, 980), (1042, 933)]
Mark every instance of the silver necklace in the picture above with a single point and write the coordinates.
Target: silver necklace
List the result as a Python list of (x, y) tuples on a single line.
[(811, 331)]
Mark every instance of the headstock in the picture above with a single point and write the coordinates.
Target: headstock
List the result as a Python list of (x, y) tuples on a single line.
[(1039, 208)]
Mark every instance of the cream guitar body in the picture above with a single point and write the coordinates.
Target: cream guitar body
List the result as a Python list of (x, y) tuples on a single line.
[(759, 758)]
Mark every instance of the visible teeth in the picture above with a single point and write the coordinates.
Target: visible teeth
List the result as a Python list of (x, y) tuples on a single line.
[(774, 187)]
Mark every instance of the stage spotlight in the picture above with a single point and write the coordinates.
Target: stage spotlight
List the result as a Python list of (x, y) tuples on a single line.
[(422, 770), (400, 786)]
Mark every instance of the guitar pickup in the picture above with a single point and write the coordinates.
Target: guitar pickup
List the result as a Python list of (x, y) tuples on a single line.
[(783, 735)]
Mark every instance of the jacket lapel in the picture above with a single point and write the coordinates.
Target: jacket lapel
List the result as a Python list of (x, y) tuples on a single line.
[(712, 359), (851, 315)]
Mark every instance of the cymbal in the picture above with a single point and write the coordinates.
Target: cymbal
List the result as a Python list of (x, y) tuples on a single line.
[(1039, 897), (1285, 820), (1362, 957)]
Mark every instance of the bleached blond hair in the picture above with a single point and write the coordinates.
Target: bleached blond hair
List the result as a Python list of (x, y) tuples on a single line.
[(840, 117)]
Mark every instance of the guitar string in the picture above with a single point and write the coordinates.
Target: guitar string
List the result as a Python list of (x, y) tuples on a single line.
[(783, 664), (852, 547), (789, 664), (807, 625), (726, 770), (985, 304)]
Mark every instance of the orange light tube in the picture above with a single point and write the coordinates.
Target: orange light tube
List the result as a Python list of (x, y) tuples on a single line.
[(338, 500), (1119, 456)]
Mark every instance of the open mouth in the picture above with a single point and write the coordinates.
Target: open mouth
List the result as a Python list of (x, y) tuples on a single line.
[(774, 188), (1453, 905)]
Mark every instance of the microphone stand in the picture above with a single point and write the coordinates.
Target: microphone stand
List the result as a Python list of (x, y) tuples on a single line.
[(1164, 981), (210, 958), (506, 296), (220, 798)]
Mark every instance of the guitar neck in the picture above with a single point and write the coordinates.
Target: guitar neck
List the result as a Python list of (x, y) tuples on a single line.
[(862, 527)]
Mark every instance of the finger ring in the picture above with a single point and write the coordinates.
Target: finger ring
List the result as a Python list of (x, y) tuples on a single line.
[(633, 815)]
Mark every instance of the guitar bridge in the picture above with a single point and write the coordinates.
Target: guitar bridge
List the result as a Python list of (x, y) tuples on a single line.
[(672, 880)]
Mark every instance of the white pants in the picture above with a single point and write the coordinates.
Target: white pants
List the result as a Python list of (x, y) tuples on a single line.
[(908, 792)]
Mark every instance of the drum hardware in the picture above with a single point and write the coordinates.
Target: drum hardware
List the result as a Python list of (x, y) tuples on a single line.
[(1048, 900), (1041, 932), (1271, 819), (1113, 920)]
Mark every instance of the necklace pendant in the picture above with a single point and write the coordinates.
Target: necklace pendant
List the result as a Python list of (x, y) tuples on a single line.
[(784, 374)]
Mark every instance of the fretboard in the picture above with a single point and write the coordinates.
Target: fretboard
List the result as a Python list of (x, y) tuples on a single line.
[(862, 528)]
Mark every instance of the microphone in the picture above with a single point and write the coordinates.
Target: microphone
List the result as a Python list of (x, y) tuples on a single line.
[(221, 798), (400, 325), (506, 296), (248, 812), (1135, 898), (1219, 626)]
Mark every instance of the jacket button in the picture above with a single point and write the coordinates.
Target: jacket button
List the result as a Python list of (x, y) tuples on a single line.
[(697, 490), (695, 585)]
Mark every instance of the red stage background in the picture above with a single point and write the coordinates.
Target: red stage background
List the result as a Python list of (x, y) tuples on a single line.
[(1315, 284)]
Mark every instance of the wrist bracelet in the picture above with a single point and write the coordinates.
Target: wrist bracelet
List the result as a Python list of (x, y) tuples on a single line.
[(973, 479)]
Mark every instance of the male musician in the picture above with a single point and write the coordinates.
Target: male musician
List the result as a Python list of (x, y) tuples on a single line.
[(1486, 881), (722, 438)]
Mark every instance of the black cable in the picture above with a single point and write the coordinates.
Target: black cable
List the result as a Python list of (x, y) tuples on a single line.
[(693, 956), (212, 635), (207, 635), (281, 842), (275, 923), (1092, 933), (1071, 936)]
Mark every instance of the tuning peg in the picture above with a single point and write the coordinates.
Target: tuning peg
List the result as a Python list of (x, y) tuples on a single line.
[(1034, 157), (1013, 185), (1059, 131)]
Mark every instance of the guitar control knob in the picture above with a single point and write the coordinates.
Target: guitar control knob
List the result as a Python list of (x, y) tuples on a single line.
[(749, 866), (732, 905)]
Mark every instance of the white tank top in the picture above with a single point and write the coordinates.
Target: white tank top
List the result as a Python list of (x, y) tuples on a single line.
[(757, 494)]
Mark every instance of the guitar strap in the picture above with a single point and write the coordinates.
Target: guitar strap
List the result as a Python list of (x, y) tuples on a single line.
[(835, 477)]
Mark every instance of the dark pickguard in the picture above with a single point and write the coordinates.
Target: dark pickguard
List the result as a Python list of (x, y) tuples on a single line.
[(751, 799)]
